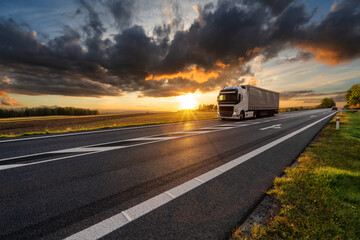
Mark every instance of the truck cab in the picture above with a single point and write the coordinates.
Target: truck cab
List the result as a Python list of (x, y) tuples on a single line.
[(232, 103)]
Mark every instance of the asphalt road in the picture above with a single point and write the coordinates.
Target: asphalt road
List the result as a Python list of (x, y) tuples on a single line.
[(193, 180)]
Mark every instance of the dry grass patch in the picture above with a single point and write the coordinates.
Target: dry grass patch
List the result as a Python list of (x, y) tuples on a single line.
[(46, 125)]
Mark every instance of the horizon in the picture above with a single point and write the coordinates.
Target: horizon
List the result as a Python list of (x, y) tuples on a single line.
[(169, 55)]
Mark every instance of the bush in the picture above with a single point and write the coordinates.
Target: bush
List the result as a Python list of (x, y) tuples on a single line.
[(46, 111)]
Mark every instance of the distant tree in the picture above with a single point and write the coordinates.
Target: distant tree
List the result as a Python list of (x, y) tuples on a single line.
[(352, 95), (327, 103), (207, 108)]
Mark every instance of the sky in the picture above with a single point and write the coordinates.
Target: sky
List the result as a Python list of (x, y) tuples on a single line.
[(142, 55)]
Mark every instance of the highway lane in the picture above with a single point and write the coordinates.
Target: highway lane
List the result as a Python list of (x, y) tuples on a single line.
[(38, 144), (56, 199)]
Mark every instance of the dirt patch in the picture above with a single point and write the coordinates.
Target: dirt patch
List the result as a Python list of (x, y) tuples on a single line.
[(16, 127), (36, 125)]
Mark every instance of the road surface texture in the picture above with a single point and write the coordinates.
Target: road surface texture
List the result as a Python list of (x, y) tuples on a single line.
[(192, 180)]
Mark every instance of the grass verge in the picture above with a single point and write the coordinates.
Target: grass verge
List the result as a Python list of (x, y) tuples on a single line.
[(320, 198)]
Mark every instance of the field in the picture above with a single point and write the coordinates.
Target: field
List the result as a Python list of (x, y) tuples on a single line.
[(320, 198), (52, 124)]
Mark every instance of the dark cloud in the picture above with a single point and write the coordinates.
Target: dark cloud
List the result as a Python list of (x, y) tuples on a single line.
[(122, 11), (310, 96), (337, 38), (286, 95), (300, 56), (276, 6), (219, 44), (340, 97)]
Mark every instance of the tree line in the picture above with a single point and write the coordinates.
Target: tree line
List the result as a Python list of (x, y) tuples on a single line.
[(352, 96), (207, 107), (45, 111)]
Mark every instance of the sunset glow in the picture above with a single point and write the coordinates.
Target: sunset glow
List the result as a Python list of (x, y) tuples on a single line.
[(188, 101), (194, 73)]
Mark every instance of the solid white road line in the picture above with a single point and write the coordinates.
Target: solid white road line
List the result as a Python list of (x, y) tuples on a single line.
[(109, 225)]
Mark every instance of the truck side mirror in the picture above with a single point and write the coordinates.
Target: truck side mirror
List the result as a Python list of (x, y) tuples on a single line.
[(239, 98)]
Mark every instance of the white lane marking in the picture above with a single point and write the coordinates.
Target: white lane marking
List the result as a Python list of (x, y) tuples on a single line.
[(163, 198), (313, 116), (126, 216), (83, 149), (147, 206), (210, 175), (96, 232), (88, 148), (184, 188), (228, 125), (150, 138), (69, 150), (197, 179), (167, 192), (271, 127), (100, 131), (4, 167)]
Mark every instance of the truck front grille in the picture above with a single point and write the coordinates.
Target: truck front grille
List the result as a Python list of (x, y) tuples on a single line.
[(226, 111)]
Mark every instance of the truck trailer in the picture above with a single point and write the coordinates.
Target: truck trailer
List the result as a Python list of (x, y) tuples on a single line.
[(246, 101)]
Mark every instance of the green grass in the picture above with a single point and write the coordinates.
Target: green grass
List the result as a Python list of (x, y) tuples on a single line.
[(292, 109), (320, 198)]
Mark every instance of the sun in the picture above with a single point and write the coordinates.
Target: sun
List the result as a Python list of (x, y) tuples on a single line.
[(188, 101)]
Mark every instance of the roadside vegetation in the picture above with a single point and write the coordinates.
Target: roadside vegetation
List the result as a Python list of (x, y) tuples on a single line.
[(45, 125), (207, 107), (352, 97), (45, 111), (291, 109), (320, 198)]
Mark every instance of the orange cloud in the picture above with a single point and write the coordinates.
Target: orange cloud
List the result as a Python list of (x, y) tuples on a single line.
[(6, 80), (255, 51), (199, 75), (196, 9), (8, 101), (326, 55), (252, 81)]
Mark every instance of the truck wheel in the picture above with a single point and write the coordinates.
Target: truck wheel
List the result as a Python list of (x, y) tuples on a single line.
[(242, 115)]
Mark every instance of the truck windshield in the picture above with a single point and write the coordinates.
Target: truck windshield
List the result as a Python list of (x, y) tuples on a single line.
[(227, 98)]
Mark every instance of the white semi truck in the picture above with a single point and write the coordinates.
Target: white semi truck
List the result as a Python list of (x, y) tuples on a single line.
[(246, 101)]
